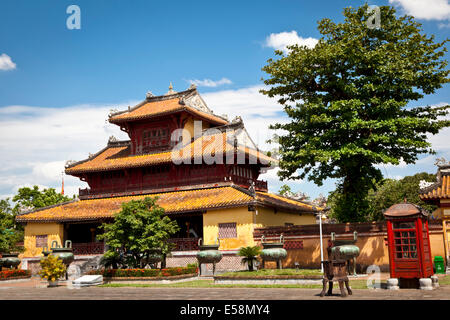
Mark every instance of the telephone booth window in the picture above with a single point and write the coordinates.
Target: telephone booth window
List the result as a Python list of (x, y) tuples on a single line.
[(405, 244)]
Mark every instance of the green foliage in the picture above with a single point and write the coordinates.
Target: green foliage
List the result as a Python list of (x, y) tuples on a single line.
[(249, 255), (112, 259), (284, 190), (33, 198), (347, 98), (10, 232), (123, 273), (386, 193), (137, 229), (52, 268), (391, 191)]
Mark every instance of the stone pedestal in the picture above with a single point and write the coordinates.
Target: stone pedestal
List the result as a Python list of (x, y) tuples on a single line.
[(426, 284), (435, 281), (392, 284)]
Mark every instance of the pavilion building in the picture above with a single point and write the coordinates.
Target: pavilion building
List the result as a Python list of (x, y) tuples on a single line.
[(203, 168), (438, 193)]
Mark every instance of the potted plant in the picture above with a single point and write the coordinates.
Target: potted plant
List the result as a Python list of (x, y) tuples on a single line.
[(52, 268), (249, 255)]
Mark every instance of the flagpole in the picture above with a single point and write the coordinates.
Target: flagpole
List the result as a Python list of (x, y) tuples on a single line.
[(321, 241)]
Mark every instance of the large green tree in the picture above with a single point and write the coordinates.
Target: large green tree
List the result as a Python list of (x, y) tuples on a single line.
[(391, 191), (10, 232), (138, 228), (33, 198), (347, 100)]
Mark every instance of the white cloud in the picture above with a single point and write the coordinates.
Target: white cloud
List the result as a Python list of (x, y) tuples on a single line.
[(210, 83), (428, 10), (279, 41), (36, 142), (6, 63)]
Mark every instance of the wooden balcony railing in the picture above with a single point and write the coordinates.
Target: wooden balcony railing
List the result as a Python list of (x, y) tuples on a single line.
[(185, 244), (88, 248), (164, 183)]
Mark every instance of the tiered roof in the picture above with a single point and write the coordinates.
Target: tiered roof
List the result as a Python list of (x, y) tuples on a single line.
[(172, 202), (441, 188), (117, 155), (173, 102)]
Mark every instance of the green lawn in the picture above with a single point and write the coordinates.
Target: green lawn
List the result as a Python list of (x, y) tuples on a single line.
[(273, 272), (444, 280)]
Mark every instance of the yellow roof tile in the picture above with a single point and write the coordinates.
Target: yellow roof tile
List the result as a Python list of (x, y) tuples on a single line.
[(440, 190), (119, 157), (162, 107), (172, 202)]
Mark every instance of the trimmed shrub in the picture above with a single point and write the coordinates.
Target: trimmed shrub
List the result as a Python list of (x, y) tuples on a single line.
[(126, 273)]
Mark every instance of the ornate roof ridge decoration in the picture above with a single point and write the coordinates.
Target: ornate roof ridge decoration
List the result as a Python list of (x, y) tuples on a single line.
[(111, 144), (441, 188), (188, 98)]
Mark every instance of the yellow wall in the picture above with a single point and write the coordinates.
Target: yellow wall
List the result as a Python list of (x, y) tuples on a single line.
[(373, 250), (188, 134), (244, 227), (53, 230), (246, 222), (267, 218)]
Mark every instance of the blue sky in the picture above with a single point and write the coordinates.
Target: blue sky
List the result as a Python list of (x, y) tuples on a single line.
[(57, 85)]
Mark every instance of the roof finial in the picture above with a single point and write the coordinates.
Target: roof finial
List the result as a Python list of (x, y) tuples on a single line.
[(171, 91)]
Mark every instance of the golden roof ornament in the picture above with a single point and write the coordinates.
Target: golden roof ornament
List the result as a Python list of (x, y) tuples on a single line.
[(171, 91)]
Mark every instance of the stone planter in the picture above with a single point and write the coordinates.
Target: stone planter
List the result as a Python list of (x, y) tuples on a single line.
[(52, 284)]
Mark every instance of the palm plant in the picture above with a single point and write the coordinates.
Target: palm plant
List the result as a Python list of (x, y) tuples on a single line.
[(249, 255)]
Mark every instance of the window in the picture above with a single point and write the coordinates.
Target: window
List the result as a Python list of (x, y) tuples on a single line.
[(405, 244), (41, 241), (154, 138), (227, 230)]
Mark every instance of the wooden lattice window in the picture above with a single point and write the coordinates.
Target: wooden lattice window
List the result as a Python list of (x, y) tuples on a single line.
[(405, 240), (227, 230), (154, 138), (41, 241)]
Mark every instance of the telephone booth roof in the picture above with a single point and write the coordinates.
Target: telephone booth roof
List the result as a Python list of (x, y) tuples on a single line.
[(404, 210)]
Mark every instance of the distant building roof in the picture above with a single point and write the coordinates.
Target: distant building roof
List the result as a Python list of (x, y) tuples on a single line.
[(441, 188)]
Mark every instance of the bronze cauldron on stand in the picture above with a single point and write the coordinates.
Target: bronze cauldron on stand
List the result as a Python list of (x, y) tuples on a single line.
[(208, 254), (273, 251), (9, 260), (64, 253)]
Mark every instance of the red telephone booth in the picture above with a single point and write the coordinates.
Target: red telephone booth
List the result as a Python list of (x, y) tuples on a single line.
[(409, 243)]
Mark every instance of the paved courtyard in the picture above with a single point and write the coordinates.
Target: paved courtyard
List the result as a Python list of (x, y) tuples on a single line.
[(35, 289)]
